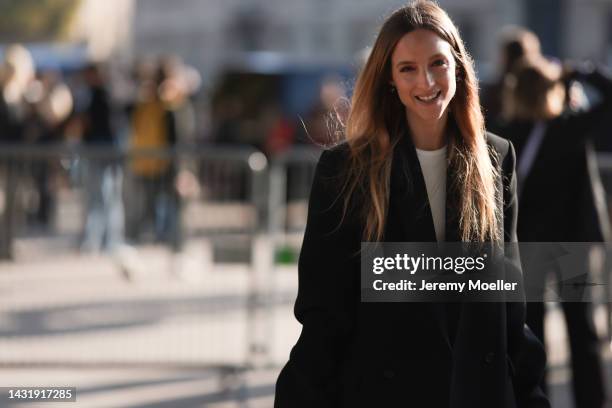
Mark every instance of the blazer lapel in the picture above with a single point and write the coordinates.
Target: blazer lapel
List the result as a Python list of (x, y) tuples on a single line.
[(452, 208), (409, 218), (409, 208)]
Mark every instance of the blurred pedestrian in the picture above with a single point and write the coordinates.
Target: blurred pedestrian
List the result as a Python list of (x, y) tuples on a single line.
[(103, 175), (176, 85), (153, 127), (417, 166), (16, 74), (278, 131), (178, 82), (557, 196), (516, 44), (50, 105)]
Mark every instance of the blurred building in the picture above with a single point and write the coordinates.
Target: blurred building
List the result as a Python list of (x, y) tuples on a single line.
[(210, 33), (105, 27)]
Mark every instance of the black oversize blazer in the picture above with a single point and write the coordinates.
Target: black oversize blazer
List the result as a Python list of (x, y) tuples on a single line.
[(354, 354)]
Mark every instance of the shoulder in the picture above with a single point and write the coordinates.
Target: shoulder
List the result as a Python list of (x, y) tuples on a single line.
[(337, 153), (334, 160), (500, 145), (503, 149), (505, 160), (330, 187)]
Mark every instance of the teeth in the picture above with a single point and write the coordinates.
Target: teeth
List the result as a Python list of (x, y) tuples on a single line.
[(429, 97)]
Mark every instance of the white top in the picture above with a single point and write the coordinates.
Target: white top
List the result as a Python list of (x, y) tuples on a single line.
[(433, 166)]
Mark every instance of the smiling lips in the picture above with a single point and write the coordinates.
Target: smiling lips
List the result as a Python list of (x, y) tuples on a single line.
[(428, 98)]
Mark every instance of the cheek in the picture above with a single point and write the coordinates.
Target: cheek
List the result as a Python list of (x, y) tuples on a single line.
[(404, 90), (452, 88), (450, 83), (404, 95)]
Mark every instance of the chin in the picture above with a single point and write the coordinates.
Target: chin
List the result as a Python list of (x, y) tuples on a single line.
[(432, 116)]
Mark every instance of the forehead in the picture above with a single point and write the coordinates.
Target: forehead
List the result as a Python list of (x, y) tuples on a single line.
[(420, 44)]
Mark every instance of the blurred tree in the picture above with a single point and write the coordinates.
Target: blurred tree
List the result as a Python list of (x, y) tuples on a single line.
[(35, 20)]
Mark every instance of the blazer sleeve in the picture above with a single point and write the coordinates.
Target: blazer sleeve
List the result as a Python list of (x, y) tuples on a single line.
[(328, 295), (530, 360)]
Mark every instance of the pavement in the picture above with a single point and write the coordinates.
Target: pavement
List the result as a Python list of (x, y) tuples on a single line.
[(149, 328)]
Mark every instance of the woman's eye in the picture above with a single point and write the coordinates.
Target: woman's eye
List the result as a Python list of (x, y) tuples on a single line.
[(439, 63), (406, 69)]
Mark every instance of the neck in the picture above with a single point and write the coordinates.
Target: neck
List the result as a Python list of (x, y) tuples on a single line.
[(428, 135)]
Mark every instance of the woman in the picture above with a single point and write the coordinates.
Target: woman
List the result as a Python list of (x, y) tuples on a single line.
[(558, 187), (415, 132)]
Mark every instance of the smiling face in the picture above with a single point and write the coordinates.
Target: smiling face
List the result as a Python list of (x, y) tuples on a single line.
[(423, 72)]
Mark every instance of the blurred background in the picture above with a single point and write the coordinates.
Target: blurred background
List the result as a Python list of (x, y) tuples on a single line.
[(155, 164)]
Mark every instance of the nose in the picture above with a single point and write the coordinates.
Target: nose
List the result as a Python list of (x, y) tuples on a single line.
[(426, 79)]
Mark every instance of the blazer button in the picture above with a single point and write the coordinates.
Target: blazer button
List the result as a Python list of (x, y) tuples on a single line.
[(388, 374), (489, 357)]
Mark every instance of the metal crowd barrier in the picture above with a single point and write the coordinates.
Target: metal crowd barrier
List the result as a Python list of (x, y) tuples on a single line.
[(35, 180), (291, 177), (183, 238)]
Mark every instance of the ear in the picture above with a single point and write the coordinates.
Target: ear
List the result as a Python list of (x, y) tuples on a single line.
[(458, 74)]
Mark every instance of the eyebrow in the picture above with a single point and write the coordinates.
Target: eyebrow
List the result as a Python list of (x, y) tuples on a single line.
[(437, 55)]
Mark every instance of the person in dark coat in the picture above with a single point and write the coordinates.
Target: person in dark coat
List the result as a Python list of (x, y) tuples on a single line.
[(558, 193), (516, 44), (104, 224), (416, 166), (16, 75)]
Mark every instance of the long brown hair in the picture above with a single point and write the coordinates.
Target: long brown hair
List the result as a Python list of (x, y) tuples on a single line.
[(377, 120)]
